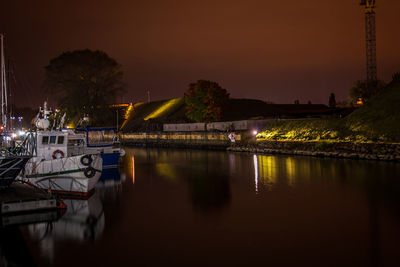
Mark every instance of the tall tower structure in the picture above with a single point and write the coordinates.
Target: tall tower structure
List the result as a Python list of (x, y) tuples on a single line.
[(370, 31)]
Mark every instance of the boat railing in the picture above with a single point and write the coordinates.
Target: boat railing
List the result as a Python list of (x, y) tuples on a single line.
[(27, 147)]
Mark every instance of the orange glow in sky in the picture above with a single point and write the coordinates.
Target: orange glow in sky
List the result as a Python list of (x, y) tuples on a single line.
[(270, 50)]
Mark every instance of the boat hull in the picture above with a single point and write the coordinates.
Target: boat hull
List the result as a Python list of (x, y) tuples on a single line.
[(10, 167), (110, 160), (67, 176), (110, 155)]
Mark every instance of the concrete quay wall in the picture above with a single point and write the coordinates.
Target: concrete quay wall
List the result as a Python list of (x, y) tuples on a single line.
[(213, 140), (243, 125)]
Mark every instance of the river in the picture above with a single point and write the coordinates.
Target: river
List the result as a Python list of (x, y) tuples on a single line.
[(206, 208)]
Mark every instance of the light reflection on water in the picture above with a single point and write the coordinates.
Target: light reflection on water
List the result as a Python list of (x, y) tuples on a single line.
[(185, 207), (270, 169), (256, 170)]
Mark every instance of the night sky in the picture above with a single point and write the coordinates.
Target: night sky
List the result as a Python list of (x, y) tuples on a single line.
[(270, 50)]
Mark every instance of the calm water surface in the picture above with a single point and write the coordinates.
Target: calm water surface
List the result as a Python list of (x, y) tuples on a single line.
[(202, 208)]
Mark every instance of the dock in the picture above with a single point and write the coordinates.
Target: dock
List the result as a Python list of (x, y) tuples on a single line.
[(22, 204)]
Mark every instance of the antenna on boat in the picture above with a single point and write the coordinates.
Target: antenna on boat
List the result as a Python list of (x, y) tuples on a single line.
[(3, 86), (62, 121), (42, 118)]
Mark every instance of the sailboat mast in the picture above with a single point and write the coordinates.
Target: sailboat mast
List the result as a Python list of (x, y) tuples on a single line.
[(3, 86)]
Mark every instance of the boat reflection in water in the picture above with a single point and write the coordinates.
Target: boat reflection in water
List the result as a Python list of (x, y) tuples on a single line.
[(83, 220), (109, 185)]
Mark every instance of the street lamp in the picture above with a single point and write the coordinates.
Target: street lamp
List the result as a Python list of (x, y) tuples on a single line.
[(20, 121), (12, 118)]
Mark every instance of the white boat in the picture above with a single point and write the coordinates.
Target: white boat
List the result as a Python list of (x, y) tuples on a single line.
[(58, 168)]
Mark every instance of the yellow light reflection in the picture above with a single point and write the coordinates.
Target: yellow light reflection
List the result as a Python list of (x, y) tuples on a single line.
[(290, 171), (167, 170), (133, 169), (267, 170)]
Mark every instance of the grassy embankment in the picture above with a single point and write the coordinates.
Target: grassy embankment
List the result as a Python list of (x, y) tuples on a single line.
[(150, 116), (376, 121), (173, 111)]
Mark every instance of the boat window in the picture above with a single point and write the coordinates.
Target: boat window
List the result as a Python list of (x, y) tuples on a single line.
[(73, 142), (60, 140), (45, 140), (53, 139)]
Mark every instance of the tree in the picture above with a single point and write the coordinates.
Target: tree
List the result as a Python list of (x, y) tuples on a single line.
[(205, 101), (332, 100), (396, 77), (361, 90), (84, 82)]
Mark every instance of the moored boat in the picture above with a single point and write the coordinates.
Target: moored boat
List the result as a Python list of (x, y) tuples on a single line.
[(12, 160), (56, 167), (103, 141), (10, 167)]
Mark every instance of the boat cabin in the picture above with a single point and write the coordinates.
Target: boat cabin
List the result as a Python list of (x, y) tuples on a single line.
[(76, 143), (51, 145), (59, 144)]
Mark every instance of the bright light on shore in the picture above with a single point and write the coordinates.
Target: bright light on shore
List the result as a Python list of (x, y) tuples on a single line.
[(255, 132)]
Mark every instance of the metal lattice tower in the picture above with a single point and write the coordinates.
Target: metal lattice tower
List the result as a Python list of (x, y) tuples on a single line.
[(370, 31)]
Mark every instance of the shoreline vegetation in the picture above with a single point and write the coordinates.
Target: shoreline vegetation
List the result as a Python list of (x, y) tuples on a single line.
[(372, 132), (376, 121)]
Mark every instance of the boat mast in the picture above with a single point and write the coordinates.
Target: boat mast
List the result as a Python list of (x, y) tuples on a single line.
[(3, 86)]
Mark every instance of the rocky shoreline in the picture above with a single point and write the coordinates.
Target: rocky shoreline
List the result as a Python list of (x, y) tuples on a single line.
[(363, 151)]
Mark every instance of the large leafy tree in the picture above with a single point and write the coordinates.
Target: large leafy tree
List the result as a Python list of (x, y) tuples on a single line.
[(84, 82), (205, 101)]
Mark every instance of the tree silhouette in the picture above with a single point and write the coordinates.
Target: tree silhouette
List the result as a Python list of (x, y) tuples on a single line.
[(365, 91), (205, 101), (396, 77), (84, 82), (332, 100)]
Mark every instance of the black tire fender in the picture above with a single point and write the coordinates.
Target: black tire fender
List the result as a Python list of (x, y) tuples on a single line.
[(86, 160), (89, 172)]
